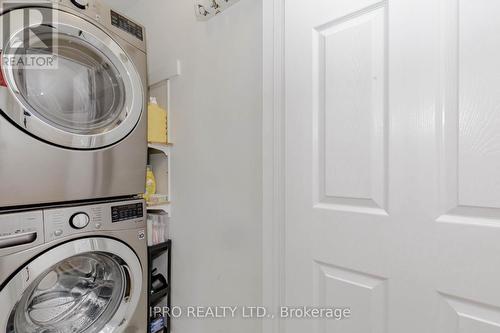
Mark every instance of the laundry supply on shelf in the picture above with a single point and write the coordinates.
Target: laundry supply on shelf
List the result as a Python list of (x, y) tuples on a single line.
[(157, 123), (158, 227)]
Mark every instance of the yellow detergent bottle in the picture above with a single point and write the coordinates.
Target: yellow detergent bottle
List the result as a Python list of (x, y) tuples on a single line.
[(150, 183), (157, 123)]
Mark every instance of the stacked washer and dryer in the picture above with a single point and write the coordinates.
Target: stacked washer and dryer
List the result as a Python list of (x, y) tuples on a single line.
[(73, 150)]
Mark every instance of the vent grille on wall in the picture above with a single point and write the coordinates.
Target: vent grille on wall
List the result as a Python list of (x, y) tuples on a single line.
[(206, 9)]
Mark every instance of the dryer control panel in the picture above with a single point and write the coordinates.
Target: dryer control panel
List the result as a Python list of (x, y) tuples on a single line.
[(127, 25), (129, 30)]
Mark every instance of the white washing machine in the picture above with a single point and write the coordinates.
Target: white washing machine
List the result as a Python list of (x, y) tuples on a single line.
[(74, 269), (76, 130)]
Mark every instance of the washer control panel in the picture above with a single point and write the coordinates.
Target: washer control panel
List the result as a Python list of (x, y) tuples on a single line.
[(81, 4), (67, 221), (127, 212), (79, 220)]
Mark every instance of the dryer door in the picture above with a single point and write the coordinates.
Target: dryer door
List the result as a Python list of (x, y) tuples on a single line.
[(84, 286), (68, 82)]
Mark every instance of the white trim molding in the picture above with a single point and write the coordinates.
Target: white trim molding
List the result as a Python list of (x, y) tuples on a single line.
[(166, 71), (274, 157)]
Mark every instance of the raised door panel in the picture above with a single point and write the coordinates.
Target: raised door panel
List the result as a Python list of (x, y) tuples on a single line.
[(471, 119), (464, 316), (479, 103), (364, 295), (350, 110)]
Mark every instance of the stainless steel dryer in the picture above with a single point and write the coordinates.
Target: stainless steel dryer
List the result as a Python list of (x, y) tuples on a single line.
[(76, 131), (74, 269)]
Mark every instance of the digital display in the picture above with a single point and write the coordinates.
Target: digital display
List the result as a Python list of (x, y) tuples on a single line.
[(125, 24), (127, 212)]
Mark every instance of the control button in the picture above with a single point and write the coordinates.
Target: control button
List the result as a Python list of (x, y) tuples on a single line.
[(98, 226), (79, 220), (82, 4), (58, 232)]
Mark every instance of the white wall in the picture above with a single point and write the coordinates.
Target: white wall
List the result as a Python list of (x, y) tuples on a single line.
[(216, 113)]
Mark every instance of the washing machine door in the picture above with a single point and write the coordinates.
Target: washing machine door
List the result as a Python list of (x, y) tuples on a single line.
[(84, 286), (68, 82)]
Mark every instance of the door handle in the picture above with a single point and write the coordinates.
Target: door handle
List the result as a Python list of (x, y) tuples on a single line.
[(128, 281)]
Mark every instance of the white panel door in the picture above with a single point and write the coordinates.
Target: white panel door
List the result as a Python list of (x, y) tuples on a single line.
[(393, 164)]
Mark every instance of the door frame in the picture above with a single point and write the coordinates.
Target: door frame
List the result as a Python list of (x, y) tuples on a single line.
[(274, 158)]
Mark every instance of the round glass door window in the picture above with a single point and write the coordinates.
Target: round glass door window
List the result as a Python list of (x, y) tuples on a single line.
[(84, 94), (73, 85), (80, 294)]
